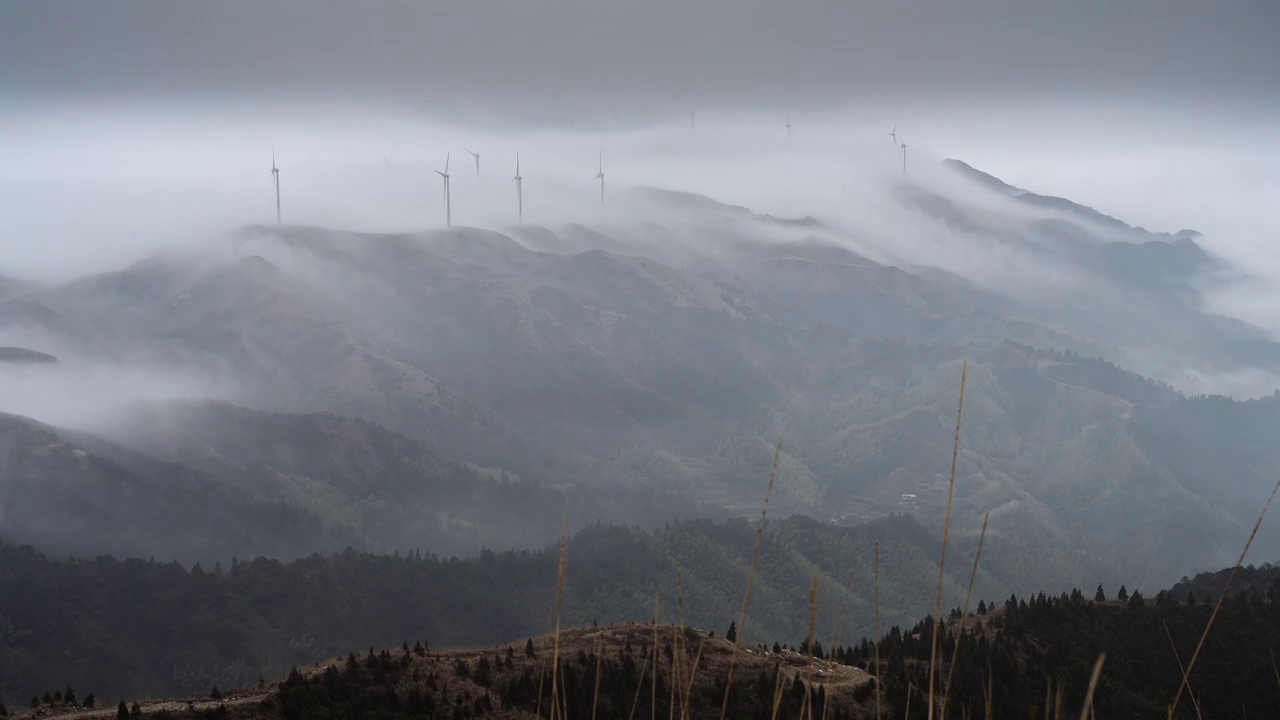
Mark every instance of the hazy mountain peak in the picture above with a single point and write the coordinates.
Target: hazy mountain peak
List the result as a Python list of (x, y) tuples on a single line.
[(24, 356), (1054, 203), (985, 179)]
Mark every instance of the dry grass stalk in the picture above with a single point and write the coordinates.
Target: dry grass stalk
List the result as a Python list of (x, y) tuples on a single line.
[(677, 652), (1048, 698), (1194, 703), (635, 702), (1093, 685), (555, 653), (813, 619), (1274, 668), (838, 625), (1057, 701), (989, 695), (777, 694), (907, 715), (542, 669), (595, 693), (688, 690), (595, 696), (876, 635), (751, 571), (946, 528), (1221, 598), (653, 679), (564, 699), (675, 659), (964, 613)]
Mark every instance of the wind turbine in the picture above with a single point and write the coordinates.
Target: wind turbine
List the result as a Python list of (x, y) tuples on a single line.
[(894, 134), (904, 159), (693, 121), (448, 211), (475, 155), (600, 177), (275, 177), (519, 181), (788, 127)]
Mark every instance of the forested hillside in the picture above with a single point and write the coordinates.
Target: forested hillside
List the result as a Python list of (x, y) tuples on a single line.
[(1021, 657), (140, 628), (1038, 647)]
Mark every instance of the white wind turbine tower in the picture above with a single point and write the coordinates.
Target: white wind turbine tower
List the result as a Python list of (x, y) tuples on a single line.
[(904, 159), (693, 121), (475, 155), (275, 177), (894, 133), (600, 177), (448, 211), (788, 127), (519, 181)]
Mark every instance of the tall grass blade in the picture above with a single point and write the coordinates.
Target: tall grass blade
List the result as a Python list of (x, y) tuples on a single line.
[(688, 690), (777, 694), (946, 528), (677, 634), (653, 679), (838, 627), (1221, 598), (1182, 669), (635, 702), (542, 668), (595, 695), (555, 653), (1093, 685), (876, 637), (968, 596), (813, 619), (751, 571)]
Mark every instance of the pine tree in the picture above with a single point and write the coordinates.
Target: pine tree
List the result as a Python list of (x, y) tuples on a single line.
[(135, 710), (215, 693), (982, 607), (35, 702), (732, 634), (1099, 596), (88, 700), (1123, 595), (122, 711), (4, 711), (776, 647), (528, 648), (69, 697)]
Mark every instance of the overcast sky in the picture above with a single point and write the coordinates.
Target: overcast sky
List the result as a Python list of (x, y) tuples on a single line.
[(605, 57), (1161, 112)]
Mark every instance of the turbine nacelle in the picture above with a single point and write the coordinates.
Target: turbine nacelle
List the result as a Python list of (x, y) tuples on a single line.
[(519, 181), (444, 176), (600, 177)]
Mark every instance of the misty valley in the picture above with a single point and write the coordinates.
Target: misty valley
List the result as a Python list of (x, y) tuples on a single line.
[(251, 453)]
